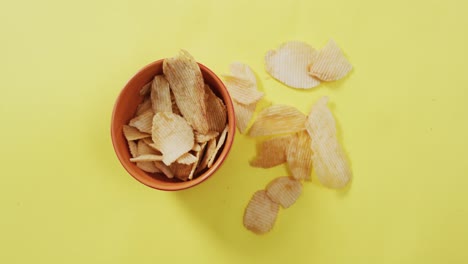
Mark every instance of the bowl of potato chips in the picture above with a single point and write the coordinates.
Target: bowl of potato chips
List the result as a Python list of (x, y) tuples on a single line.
[(173, 124)]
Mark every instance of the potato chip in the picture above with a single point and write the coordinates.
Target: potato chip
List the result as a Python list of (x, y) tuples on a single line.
[(271, 152), (260, 214), (244, 114), (186, 82), (243, 71), (289, 64), (210, 149), (278, 119), (148, 167), (216, 111), (164, 169), (133, 148), (145, 89), (132, 133), (329, 159), (284, 190), (220, 143), (172, 135), (187, 159), (175, 108), (149, 142), (160, 95), (242, 91), (201, 138), (147, 157), (195, 164), (143, 122), (143, 106), (144, 148), (196, 147), (299, 156), (181, 171), (330, 63)]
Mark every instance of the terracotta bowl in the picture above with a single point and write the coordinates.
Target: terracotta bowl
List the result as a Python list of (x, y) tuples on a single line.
[(125, 108)]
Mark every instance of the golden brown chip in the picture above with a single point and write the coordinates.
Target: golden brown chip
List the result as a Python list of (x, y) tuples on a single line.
[(145, 89), (160, 95), (187, 159), (329, 159), (172, 135), (195, 164), (147, 157), (201, 138), (186, 82), (143, 106), (144, 148), (284, 190), (181, 171), (220, 143), (271, 152), (143, 122), (260, 214), (164, 169), (243, 71), (210, 149), (278, 119), (132, 133), (148, 166), (133, 148), (196, 147), (330, 63), (242, 91), (289, 63), (299, 156), (216, 111), (244, 114)]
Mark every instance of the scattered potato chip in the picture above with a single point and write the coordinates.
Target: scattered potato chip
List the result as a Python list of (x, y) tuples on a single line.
[(148, 167), (201, 138), (289, 63), (143, 122), (244, 114), (195, 164), (147, 157), (330, 63), (143, 106), (160, 95), (187, 159), (133, 148), (210, 149), (243, 71), (299, 156), (181, 171), (172, 135), (278, 119), (271, 152), (260, 214), (284, 190), (329, 159), (242, 91), (216, 110), (145, 89), (132, 133), (186, 81), (220, 143), (164, 169)]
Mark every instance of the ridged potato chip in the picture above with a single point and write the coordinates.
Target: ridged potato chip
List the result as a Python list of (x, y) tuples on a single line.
[(148, 167), (172, 135), (181, 171), (132, 133), (278, 119), (147, 157), (330, 63), (143, 122), (187, 159), (143, 106), (260, 214), (329, 159), (244, 114), (243, 71), (210, 150), (175, 108), (242, 91), (289, 64), (186, 82), (299, 156), (160, 95), (195, 164), (196, 147), (216, 110), (271, 152), (164, 169), (284, 190), (132, 145), (220, 143), (145, 89), (144, 148), (201, 138)]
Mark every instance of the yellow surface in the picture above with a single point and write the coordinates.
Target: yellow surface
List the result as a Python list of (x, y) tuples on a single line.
[(64, 197)]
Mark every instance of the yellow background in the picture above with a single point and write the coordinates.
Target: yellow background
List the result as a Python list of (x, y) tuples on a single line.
[(402, 115)]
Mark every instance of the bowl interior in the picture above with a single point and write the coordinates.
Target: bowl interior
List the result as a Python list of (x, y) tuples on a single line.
[(125, 108)]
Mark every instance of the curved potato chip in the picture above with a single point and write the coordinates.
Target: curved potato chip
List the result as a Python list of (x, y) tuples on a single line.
[(143, 107), (175, 108), (181, 171), (328, 157), (299, 156), (243, 71), (147, 157), (145, 148), (172, 135), (210, 149), (289, 64), (186, 82), (244, 114), (271, 152), (216, 110), (330, 63), (201, 138), (164, 169), (160, 95), (132, 133), (196, 147), (198, 156), (220, 143), (148, 167), (143, 122), (284, 190), (187, 159), (242, 91), (145, 89), (260, 214), (133, 148), (278, 119)]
